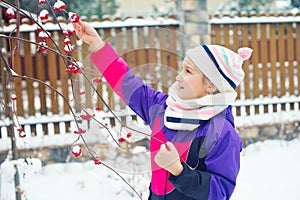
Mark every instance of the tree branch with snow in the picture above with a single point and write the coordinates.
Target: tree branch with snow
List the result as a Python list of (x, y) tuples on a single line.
[(72, 68)]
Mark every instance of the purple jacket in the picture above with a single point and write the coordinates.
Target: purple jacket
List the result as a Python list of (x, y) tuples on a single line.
[(210, 154)]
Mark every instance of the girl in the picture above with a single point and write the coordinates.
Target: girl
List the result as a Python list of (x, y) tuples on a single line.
[(200, 156)]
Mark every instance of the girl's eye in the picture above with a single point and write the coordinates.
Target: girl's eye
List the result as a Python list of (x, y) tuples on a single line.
[(188, 71)]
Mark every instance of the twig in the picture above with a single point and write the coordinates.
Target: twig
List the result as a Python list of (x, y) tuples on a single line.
[(122, 179), (66, 60), (90, 83)]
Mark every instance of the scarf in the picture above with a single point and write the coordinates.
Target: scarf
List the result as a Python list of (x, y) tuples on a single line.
[(190, 114)]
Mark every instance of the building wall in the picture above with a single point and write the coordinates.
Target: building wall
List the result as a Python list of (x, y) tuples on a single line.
[(145, 8), (213, 4), (141, 7)]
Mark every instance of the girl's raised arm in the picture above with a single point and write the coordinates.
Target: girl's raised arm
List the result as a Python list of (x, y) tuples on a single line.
[(117, 73)]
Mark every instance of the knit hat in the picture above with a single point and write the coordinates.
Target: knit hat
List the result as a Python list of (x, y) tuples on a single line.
[(222, 66)]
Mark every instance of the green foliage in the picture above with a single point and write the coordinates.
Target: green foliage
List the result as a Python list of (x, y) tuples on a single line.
[(29, 5), (93, 7), (162, 12), (253, 5), (248, 6), (81, 7), (295, 3)]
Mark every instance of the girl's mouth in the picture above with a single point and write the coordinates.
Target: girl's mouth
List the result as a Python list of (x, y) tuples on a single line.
[(180, 87)]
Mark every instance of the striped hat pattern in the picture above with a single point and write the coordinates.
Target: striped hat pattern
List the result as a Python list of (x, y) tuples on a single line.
[(216, 61)]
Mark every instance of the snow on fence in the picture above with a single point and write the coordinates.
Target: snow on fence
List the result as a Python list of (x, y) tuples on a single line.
[(270, 88), (146, 44), (273, 69), (269, 94)]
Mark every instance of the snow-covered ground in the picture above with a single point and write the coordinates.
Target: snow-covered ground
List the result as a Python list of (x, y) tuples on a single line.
[(269, 170), (77, 181)]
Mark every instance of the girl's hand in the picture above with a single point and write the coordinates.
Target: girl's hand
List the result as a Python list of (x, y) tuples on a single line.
[(88, 35), (168, 158)]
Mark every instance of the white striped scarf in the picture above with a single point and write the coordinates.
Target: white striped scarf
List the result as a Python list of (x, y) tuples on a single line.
[(190, 114)]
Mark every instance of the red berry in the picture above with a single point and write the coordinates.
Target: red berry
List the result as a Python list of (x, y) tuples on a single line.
[(97, 108), (13, 97), (22, 134), (97, 80), (129, 135), (76, 151), (10, 13), (42, 2), (97, 161)]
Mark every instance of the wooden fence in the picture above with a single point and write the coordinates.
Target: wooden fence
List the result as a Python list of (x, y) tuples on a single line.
[(274, 68), (150, 47)]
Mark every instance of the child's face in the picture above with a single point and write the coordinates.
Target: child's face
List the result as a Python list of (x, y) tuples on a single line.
[(190, 80)]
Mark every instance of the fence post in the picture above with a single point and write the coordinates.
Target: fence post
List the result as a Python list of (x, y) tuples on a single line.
[(298, 53)]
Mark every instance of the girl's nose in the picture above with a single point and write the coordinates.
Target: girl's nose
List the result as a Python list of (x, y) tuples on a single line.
[(179, 77)]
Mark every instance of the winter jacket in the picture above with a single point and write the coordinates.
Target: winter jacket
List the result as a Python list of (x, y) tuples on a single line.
[(210, 154)]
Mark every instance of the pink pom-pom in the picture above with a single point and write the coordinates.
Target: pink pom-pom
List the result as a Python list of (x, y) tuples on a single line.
[(245, 53)]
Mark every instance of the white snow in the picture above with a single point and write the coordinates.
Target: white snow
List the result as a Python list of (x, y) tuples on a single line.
[(282, 4), (269, 170), (130, 22), (255, 20)]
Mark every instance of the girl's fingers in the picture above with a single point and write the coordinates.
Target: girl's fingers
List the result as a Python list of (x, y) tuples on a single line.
[(169, 146), (162, 147), (76, 27)]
